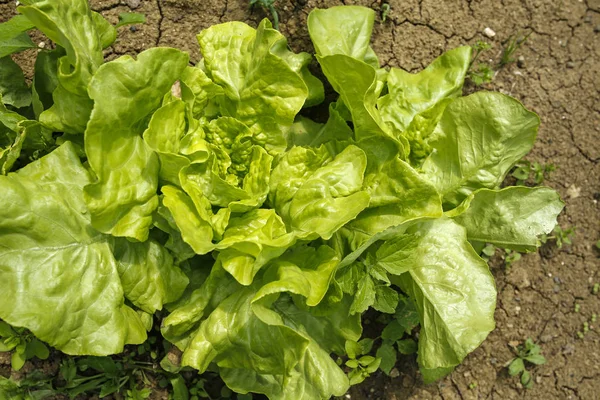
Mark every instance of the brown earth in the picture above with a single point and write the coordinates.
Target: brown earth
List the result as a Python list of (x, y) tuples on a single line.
[(559, 78)]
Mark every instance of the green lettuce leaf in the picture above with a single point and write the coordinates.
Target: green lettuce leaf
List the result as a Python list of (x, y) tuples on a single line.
[(451, 285), (411, 94), (13, 88), (148, 275), (242, 61), (13, 36), (250, 241), (415, 102), (125, 93), (511, 218), (195, 227), (341, 30), (280, 348), (398, 193), (478, 139), (164, 134), (70, 24), (316, 193), (50, 249)]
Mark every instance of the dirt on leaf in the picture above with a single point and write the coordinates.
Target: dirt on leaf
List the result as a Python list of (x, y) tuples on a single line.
[(557, 76)]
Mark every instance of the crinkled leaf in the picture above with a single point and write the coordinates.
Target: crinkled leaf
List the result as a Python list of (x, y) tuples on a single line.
[(147, 274), (70, 24), (125, 92), (411, 94), (478, 139), (315, 193), (50, 248), (512, 218), (398, 194), (250, 241), (241, 60), (454, 292)]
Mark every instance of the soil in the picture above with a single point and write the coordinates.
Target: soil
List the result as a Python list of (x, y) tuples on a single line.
[(558, 77)]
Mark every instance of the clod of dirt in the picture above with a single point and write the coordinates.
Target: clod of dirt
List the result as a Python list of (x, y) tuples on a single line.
[(573, 192)]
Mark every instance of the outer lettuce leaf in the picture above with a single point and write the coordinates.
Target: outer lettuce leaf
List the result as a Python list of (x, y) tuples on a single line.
[(342, 30), (45, 79), (267, 344), (13, 36), (70, 24), (125, 92), (512, 218), (13, 88), (147, 274), (240, 59), (452, 287), (479, 138), (317, 194), (58, 276)]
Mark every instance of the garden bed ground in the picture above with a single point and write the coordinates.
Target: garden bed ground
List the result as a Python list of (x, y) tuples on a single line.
[(558, 77)]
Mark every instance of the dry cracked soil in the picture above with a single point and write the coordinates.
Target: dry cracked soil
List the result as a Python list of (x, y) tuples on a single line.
[(557, 76)]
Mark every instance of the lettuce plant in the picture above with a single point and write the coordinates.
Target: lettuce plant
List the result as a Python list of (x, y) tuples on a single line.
[(147, 183)]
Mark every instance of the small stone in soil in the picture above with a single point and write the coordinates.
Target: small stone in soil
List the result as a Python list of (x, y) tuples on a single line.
[(133, 4), (133, 28), (570, 65), (521, 62), (489, 32), (556, 288)]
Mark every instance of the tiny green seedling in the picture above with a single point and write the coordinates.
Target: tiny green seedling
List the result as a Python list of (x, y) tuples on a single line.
[(385, 11), (513, 44), (472, 385), (536, 172), (596, 288), (482, 73), (560, 236), (269, 6), (361, 365), (510, 257), (488, 251), (23, 345), (530, 353)]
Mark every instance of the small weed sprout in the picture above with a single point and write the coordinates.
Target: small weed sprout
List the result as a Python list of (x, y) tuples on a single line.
[(530, 353), (385, 11), (269, 6), (513, 44)]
